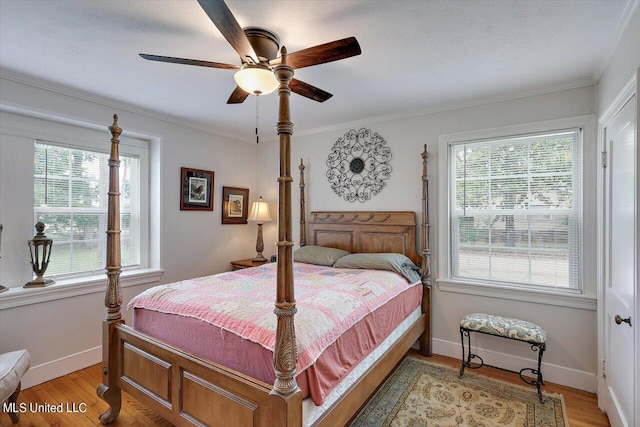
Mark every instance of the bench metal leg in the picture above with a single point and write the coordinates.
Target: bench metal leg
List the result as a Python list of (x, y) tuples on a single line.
[(538, 381), (466, 362)]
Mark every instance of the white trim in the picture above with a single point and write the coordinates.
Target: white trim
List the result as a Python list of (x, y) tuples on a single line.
[(84, 96), (552, 297), (63, 366), (628, 91), (110, 103), (61, 131), (69, 133), (16, 297), (600, 270), (441, 108), (557, 374), (621, 27), (519, 129), (548, 297), (623, 97)]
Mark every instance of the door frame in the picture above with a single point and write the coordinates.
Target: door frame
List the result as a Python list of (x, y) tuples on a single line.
[(623, 97)]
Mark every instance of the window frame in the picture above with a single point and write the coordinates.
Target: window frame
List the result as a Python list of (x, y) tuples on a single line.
[(21, 128), (584, 296), (127, 147), (574, 234)]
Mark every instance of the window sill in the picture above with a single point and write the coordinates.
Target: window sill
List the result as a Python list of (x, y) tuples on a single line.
[(579, 301), (16, 297)]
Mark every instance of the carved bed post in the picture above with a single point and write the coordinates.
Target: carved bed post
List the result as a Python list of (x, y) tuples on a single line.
[(108, 390), (425, 239), (303, 208), (285, 356)]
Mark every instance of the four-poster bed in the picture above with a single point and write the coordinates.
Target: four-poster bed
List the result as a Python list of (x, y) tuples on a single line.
[(186, 388)]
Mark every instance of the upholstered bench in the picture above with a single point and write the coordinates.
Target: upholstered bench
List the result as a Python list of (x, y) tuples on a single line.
[(13, 366), (505, 327)]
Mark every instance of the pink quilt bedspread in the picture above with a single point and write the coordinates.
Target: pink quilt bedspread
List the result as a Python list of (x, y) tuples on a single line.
[(329, 302)]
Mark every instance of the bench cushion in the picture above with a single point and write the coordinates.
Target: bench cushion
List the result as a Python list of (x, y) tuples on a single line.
[(13, 365), (504, 327)]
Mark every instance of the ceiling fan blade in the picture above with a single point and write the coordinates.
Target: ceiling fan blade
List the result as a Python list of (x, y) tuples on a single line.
[(222, 18), (323, 53), (189, 61), (237, 96), (309, 91)]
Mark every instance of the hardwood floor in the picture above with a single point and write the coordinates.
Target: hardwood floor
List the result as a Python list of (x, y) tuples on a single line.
[(77, 391)]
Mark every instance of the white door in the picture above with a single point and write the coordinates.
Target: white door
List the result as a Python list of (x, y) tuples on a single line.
[(621, 233)]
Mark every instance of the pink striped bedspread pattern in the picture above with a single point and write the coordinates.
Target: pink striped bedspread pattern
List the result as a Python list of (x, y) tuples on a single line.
[(329, 302)]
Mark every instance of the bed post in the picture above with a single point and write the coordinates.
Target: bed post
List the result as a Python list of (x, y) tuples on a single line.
[(108, 390), (303, 208), (285, 356), (425, 238)]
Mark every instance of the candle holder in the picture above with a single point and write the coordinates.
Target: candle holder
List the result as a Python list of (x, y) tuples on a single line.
[(40, 249)]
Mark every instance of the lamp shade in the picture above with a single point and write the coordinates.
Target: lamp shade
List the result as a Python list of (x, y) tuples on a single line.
[(260, 212), (260, 81)]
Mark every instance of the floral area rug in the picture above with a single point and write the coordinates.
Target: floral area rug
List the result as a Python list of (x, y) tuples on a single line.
[(421, 393)]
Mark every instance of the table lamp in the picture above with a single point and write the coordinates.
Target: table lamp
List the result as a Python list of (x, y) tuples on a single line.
[(260, 214)]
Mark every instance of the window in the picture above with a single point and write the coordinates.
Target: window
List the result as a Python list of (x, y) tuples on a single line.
[(70, 197), (514, 210)]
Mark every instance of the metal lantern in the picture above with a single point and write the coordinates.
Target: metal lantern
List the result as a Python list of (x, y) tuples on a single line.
[(40, 249)]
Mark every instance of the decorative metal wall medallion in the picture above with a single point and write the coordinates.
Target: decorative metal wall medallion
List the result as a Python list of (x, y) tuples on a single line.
[(359, 165)]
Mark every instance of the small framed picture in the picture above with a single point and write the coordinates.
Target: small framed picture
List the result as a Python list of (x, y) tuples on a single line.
[(235, 206), (197, 190)]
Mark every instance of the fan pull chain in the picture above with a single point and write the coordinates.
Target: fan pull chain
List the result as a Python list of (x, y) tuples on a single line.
[(257, 116)]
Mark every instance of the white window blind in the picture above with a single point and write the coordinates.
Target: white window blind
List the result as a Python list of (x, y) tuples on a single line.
[(70, 198), (515, 210)]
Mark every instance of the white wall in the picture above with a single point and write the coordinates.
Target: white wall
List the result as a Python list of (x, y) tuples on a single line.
[(64, 335), (571, 357), (623, 63)]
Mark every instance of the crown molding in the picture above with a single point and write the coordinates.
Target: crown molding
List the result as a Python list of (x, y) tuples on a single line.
[(447, 107), (110, 103), (629, 89), (622, 25)]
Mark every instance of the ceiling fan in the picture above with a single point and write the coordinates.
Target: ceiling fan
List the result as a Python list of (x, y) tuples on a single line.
[(258, 49)]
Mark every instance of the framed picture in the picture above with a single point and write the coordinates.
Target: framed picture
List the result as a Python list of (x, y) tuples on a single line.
[(235, 205), (197, 190)]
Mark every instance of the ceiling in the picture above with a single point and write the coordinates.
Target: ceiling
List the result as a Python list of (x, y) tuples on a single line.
[(417, 56)]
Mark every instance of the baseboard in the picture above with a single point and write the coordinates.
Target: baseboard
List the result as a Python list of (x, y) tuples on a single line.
[(57, 368), (553, 373)]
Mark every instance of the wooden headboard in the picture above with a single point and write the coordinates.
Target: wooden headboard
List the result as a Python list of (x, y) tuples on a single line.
[(365, 232)]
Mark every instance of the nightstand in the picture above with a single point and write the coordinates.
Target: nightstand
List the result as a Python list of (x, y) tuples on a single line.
[(245, 263)]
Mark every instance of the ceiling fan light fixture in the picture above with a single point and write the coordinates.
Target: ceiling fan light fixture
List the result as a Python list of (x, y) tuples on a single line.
[(257, 80)]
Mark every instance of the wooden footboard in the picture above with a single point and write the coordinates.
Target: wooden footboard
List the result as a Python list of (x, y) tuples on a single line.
[(188, 390)]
